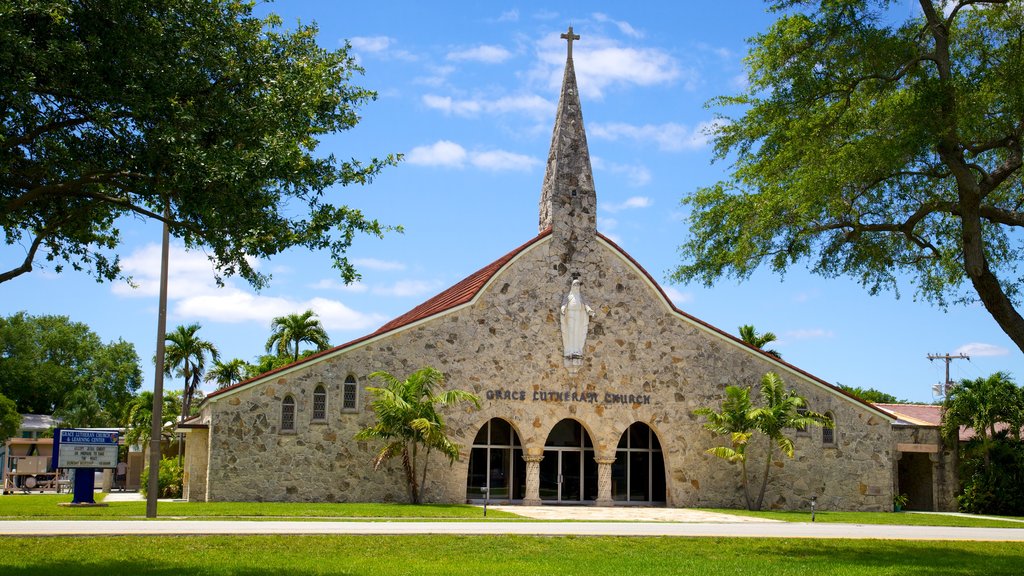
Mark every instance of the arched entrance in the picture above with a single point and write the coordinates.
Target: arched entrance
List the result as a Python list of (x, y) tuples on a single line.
[(496, 463), (568, 472), (638, 474)]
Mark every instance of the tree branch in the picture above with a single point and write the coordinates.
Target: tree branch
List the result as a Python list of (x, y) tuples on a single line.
[(966, 3), (25, 266), (69, 187)]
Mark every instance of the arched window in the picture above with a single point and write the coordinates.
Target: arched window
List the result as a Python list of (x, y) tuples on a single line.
[(348, 401), (320, 403), (288, 414), (828, 435), (496, 466), (638, 474)]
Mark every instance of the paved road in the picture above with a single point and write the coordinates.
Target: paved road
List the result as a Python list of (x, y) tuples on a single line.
[(742, 530)]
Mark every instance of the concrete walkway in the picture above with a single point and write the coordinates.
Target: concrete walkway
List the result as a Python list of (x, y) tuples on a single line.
[(739, 529)]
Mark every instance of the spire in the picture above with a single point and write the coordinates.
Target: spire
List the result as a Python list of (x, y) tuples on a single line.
[(568, 201)]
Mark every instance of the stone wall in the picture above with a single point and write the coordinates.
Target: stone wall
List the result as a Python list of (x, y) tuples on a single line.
[(643, 363), (918, 442)]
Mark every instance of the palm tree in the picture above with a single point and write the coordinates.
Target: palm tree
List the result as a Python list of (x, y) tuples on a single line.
[(759, 341), (407, 420), (981, 404), (733, 420), (186, 353), (227, 373), (288, 332), (139, 420), (739, 418)]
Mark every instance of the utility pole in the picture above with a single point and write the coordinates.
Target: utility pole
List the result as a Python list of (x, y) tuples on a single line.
[(948, 358)]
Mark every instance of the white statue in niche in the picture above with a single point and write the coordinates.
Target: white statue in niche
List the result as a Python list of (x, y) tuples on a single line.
[(575, 320)]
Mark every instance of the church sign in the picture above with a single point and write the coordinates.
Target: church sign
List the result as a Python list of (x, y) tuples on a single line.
[(566, 397), (86, 448)]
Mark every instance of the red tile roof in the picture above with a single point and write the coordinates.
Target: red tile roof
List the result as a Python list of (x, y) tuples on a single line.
[(467, 289)]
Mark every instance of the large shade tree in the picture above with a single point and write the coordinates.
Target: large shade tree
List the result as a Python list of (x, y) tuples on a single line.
[(185, 355), (781, 410), (409, 424), (876, 148), (10, 420), (114, 108), (45, 360), (289, 332)]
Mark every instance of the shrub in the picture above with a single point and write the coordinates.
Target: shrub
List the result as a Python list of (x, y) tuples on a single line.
[(169, 480)]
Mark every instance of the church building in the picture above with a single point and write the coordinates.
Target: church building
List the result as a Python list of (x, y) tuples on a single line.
[(588, 378)]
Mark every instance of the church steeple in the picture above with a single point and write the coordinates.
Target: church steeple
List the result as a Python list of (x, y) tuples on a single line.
[(568, 201)]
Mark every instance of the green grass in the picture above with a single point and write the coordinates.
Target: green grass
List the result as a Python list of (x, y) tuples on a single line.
[(499, 555), (902, 519), (18, 506)]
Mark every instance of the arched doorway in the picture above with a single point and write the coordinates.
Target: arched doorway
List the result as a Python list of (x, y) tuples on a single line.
[(496, 463), (568, 472), (638, 474)]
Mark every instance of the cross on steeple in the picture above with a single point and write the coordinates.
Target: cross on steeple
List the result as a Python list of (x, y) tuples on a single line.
[(570, 37)]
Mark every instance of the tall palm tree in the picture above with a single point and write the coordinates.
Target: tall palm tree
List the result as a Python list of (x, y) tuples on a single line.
[(288, 332), (759, 341), (227, 373), (740, 419), (186, 354), (139, 420), (407, 420)]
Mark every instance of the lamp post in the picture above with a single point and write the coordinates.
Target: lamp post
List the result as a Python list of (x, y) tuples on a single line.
[(814, 501), (153, 486)]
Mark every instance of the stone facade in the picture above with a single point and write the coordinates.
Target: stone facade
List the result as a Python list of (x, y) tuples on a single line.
[(924, 468), (645, 362), (498, 334)]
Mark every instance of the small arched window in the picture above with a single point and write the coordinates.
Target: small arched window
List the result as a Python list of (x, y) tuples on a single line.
[(348, 401), (288, 414), (320, 403), (828, 433)]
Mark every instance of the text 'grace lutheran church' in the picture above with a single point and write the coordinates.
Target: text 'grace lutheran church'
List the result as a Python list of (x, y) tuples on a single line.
[(588, 378)]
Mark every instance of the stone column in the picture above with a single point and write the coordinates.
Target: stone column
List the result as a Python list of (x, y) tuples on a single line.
[(604, 481), (532, 497)]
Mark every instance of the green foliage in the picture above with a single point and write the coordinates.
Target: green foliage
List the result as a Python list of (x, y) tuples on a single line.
[(168, 482), (10, 419), (227, 373), (139, 417), (49, 363), (185, 354), (871, 395), (408, 420), (759, 341), (289, 332), (122, 107), (739, 419), (875, 150)]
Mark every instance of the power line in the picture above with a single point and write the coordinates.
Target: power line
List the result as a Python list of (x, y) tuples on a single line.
[(940, 390)]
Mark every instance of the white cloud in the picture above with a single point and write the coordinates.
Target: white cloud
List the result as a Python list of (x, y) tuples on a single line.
[(601, 63), (486, 53), (375, 264), (981, 349), (623, 26), (670, 137), (497, 160), (629, 203), (409, 288), (509, 16), (529, 104), (332, 284), (676, 296), (810, 334), (605, 224), (451, 155), (636, 174), (440, 153), (194, 294), (371, 43)]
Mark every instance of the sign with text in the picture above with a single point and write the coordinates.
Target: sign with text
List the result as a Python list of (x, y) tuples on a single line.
[(86, 449)]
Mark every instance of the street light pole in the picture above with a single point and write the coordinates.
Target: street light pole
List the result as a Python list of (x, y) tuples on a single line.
[(158, 380)]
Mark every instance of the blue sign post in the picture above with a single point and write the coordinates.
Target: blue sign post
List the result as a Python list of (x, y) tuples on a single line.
[(85, 451)]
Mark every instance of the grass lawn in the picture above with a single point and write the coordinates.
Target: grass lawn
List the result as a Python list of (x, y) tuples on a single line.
[(895, 518), (499, 555), (18, 506)]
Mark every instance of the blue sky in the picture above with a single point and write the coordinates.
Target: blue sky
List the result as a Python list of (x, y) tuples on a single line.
[(467, 92)]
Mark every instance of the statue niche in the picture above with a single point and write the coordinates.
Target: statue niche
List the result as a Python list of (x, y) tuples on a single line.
[(575, 321)]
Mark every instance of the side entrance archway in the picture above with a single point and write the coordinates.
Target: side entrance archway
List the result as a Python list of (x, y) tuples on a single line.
[(496, 464), (638, 474), (568, 472)]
